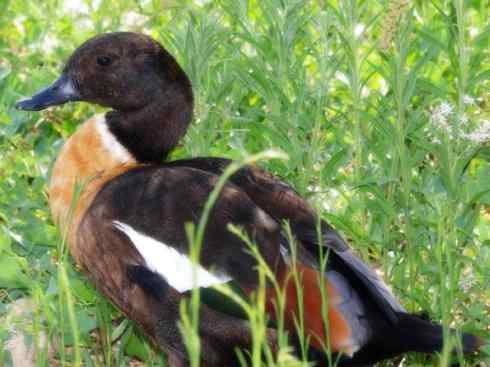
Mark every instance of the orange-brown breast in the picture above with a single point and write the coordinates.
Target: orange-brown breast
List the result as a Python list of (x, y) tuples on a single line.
[(88, 159)]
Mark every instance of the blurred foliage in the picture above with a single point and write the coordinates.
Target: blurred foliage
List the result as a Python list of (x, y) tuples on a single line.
[(349, 89)]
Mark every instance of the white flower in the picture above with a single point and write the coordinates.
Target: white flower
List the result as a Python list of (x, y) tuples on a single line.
[(341, 77), (76, 7), (468, 100), (19, 23), (132, 19), (480, 135), (445, 109), (49, 43), (463, 120), (473, 32), (440, 115), (358, 29)]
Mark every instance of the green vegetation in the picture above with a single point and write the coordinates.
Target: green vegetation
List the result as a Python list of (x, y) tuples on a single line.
[(383, 108)]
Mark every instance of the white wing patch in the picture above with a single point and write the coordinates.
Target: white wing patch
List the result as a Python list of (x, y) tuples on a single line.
[(176, 268)]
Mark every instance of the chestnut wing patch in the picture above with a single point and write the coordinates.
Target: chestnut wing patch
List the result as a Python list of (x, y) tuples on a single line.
[(175, 267)]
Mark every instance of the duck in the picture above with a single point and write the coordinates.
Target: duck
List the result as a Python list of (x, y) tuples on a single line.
[(123, 207)]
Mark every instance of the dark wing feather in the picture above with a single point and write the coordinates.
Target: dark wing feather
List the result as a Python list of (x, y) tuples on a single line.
[(282, 202), (373, 282), (343, 256)]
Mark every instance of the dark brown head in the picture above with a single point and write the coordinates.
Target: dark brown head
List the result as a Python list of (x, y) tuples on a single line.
[(134, 75)]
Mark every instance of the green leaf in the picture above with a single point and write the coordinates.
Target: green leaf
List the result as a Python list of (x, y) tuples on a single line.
[(484, 153), (11, 274), (135, 347)]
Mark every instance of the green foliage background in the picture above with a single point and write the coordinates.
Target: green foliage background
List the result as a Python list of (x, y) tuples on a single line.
[(350, 90)]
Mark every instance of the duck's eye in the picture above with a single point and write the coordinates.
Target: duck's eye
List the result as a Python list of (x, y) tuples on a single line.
[(104, 60)]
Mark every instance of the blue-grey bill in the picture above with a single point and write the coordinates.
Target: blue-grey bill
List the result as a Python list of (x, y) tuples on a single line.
[(61, 91)]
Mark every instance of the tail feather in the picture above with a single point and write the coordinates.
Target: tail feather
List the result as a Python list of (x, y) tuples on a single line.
[(420, 335), (411, 334)]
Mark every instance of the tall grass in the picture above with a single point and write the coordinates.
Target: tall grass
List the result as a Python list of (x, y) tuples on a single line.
[(377, 104)]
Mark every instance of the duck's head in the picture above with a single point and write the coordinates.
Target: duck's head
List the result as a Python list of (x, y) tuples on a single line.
[(134, 75)]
